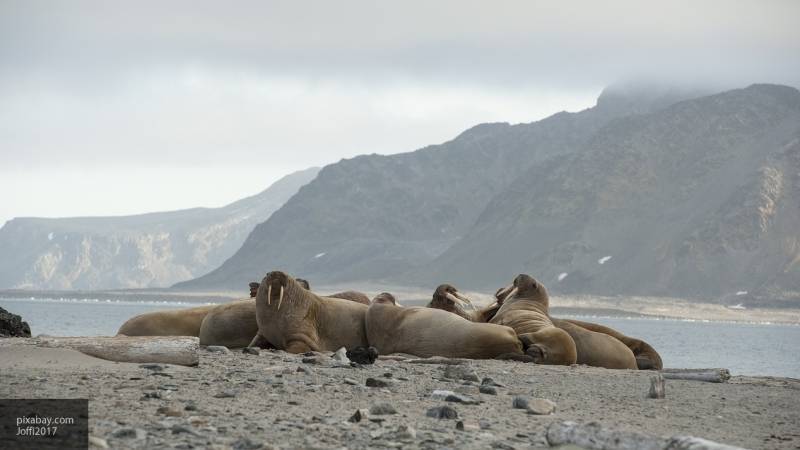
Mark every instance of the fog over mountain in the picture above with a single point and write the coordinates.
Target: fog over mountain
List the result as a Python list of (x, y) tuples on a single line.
[(652, 191), (146, 250)]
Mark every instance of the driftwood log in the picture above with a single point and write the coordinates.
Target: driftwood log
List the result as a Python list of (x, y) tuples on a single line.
[(134, 349), (657, 389), (709, 375), (596, 437)]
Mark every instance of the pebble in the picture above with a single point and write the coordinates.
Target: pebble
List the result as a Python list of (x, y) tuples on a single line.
[(359, 415), (541, 406), (441, 394), (485, 389), (169, 412), (459, 398), (177, 429), (218, 349), (301, 369), (153, 367), (490, 382), (341, 356), (149, 395), (484, 424), (251, 351), (95, 441), (246, 444), (227, 393), (461, 372), (311, 360), (129, 433), (520, 402), (379, 382), (350, 381), (382, 409), (442, 412), (405, 433)]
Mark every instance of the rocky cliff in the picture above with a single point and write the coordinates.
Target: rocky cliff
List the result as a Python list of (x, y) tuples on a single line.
[(147, 250)]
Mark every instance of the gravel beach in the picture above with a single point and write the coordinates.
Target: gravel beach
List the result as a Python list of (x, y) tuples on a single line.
[(278, 400)]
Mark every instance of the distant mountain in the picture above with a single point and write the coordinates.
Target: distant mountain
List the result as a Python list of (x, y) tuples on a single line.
[(700, 199), (147, 250), (373, 216)]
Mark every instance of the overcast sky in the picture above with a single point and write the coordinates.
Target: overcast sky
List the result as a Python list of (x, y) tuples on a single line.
[(128, 107)]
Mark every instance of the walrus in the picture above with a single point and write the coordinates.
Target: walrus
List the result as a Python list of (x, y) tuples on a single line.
[(426, 332), (647, 358), (353, 296), (385, 298), (525, 308), (174, 322), (296, 320)]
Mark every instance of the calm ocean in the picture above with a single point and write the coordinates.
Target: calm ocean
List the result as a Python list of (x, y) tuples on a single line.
[(745, 349)]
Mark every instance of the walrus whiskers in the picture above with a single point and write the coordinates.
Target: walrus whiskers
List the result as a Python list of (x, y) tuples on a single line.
[(280, 298)]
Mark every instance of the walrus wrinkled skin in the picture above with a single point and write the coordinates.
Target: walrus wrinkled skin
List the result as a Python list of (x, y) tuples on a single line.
[(175, 322), (353, 296), (525, 308), (426, 332), (296, 320)]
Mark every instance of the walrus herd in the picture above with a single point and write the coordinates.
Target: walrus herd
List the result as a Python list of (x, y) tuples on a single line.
[(287, 315)]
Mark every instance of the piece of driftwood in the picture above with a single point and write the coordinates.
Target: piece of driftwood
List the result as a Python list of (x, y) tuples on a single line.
[(708, 375), (657, 388), (134, 349), (596, 437)]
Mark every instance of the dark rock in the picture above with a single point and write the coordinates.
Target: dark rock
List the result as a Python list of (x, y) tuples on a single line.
[(153, 367), (129, 433), (442, 412), (311, 360), (491, 390), (251, 351), (12, 325), (380, 382), (177, 429), (190, 407), (301, 369), (359, 415), (362, 355), (520, 402), (490, 382), (459, 398), (382, 409), (149, 395)]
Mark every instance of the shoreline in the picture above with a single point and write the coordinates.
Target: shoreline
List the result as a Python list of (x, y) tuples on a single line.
[(655, 308)]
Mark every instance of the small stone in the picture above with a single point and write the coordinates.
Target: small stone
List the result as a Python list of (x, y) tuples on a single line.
[(246, 444), (311, 360), (520, 402), (359, 415), (227, 393), (379, 382), (461, 372), (484, 424), (490, 382), (169, 412), (485, 389), (462, 426), (177, 429), (388, 375), (153, 367), (541, 407), (350, 381), (149, 395), (405, 432), (95, 441), (168, 387), (301, 369), (129, 433), (442, 412), (441, 394), (251, 351), (382, 409), (363, 355), (190, 407), (459, 398), (218, 349), (341, 356)]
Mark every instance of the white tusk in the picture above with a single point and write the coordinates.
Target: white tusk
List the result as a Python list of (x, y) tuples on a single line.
[(501, 296), (465, 298), (455, 299), (269, 294), (280, 298), (511, 294)]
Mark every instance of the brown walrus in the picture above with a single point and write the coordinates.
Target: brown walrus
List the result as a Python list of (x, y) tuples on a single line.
[(294, 319), (385, 298), (174, 322), (647, 358), (429, 332), (525, 308), (353, 296)]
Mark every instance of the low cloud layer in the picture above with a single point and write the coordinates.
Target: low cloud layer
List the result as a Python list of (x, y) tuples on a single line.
[(101, 87)]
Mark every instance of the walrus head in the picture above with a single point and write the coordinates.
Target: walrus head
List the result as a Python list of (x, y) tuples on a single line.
[(385, 298), (303, 283), (448, 298), (277, 286), (524, 287)]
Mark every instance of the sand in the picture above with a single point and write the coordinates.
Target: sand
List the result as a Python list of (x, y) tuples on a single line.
[(279, 400)]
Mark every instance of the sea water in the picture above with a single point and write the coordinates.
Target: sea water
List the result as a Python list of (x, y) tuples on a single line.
[(744, 348)]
